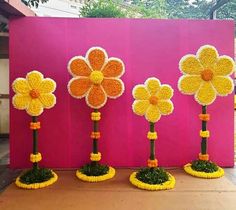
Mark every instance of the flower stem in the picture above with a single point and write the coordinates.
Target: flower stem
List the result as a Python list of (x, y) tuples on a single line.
[(152, 142), (95, 141), (204, 128), (35, 142)]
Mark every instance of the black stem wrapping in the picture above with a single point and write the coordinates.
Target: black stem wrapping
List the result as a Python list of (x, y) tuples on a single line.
[(152, 142), (95, 141), (35, 142), (204, 128)]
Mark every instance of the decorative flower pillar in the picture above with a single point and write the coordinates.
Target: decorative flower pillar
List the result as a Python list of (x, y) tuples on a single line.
[(205, 75), (152, 100), (95, 77), (33, 94)]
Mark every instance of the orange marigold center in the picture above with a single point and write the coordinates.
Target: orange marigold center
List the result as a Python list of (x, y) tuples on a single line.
[(207, 75), (34, 93), (96, 77), (153, 100)]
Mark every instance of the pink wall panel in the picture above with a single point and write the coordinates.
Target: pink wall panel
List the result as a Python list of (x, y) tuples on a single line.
[(148, 48)]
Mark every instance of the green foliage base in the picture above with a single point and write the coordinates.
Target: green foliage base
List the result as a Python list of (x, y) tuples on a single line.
[(204, 166), (36, 176), (152, 175), (94, 169)]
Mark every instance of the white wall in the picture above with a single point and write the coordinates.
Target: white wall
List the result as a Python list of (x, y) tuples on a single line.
[(4, 89)]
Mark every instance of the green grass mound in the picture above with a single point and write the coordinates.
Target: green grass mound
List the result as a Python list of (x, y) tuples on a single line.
[(152, 175), (94, 169), (36, 176), (204, 166)]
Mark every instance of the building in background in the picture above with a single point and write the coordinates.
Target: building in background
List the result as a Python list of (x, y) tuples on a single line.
[(59, 8), (8, 9)]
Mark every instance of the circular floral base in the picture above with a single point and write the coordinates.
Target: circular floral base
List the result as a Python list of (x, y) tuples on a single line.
[(36, 185), (170, 184), (84, 177), (217, 174)]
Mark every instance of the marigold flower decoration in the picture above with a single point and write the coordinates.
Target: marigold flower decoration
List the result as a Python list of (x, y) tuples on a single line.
[(152, 100), (33, 94), (205, 75), (95, 77)]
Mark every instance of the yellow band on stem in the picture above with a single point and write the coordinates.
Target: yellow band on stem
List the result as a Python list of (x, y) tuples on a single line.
[(96, 116), (152, 135), (205, 134), (95, 156), (34, 158)]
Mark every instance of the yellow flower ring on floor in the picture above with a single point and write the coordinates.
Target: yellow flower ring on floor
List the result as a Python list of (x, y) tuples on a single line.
[(33, 93), (109, 175), (206, 75), (217, 174), (96, 77), (152, 100), (36, 185), (170, 184)]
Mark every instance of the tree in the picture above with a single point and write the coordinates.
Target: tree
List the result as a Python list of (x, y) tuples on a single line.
[(101, 9), (33, 3), (151, 8)]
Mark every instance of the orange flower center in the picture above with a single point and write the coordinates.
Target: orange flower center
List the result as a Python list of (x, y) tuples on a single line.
[(207, 75), (34, 93), (153, 100), (96, 77)]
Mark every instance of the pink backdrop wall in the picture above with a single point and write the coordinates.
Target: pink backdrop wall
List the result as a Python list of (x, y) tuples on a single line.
[(148, 48)]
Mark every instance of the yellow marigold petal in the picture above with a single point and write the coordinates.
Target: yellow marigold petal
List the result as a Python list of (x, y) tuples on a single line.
[(140, 93), (47, 86), (96, 98), (21, 101), (189, 84), (21, 85), (166, 107), (78, 66), (78, 87), (153, 85), (48, 100), (189, 64), (34, 78), (207, 56), (223, 85), (224, 66), (35, 107), (96, 57), (113, 68), (206, 94), (140, 107), (153, 114), (113, 87), (165, 92)]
